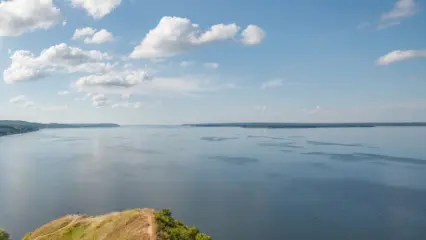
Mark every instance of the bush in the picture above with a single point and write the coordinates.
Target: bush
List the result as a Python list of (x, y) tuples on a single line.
[(172, 229), (4, 235)]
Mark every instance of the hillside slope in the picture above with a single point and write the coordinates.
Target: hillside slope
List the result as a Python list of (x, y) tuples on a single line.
[(132, 224), (135, 224)]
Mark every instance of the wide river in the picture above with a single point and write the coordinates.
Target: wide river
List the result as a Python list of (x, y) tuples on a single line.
[(233, 183)]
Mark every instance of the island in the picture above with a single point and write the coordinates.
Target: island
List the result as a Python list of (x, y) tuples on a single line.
[(141, 224), (8, 127), (310, 125)]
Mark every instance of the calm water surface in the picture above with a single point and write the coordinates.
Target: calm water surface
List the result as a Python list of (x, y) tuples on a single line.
[(232, 183)]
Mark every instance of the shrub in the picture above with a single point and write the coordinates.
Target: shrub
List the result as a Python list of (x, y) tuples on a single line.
[(172, 229), (4, 235)]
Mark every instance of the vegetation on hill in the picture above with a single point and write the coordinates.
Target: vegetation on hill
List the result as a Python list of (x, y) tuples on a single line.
[(4, 235), (169, 228)]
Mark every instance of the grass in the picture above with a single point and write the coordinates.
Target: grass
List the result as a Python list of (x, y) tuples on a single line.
[(169, 228), (131, 224)]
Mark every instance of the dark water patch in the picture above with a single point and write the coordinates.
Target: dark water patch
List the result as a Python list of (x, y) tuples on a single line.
[(318, 143), (217, 139), (275, 175), (127, 148), (394, 159), (119, 137), (347, 157), (320, 165), (296, 137), (368, 157), (68, 139), (240, 161), (267, 137), (279, 145), (286, 150)]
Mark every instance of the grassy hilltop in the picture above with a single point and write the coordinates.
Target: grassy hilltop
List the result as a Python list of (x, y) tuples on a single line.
[(135, 224)]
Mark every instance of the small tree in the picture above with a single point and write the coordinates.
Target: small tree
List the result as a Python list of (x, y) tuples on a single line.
[(4, 235)]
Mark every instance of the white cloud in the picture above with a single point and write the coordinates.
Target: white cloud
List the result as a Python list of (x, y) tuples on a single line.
[(400, 55), (174, 35), (401, 10), (211, 65), (125, 79), (28, 104), (100, 37), (126, 95), (26, 66), (63, 93), (80, 33), (18, 99), (64, 22), (127, 65), (99, 100), (23, 102), (274, 83), (91, 36), (21, 16), (97, 8), (219, 32), (252, 35), (186, 63), (127, 105)]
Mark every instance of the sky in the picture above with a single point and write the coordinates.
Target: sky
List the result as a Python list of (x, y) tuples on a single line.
[(191, 61)]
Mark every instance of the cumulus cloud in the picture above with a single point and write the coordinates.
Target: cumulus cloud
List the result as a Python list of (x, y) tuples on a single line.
[(127, 105), (80, 33), (63, 93), (174, 35), (400, 55), (99, 100), (97, 8), (23, 102), (92, 36), (401, 10), (274, 83), (252, 35), (26, 66), (211, 65), (21, 16), (125, 79)]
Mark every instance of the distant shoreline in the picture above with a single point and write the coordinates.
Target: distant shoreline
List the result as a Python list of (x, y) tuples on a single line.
[(8, 127), (310, 125)]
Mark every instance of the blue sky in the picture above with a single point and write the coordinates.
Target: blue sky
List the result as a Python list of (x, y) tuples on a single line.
[(185, 61)]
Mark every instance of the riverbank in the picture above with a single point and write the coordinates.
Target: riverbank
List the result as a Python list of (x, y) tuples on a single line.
[(311, 125), (8, 127)]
